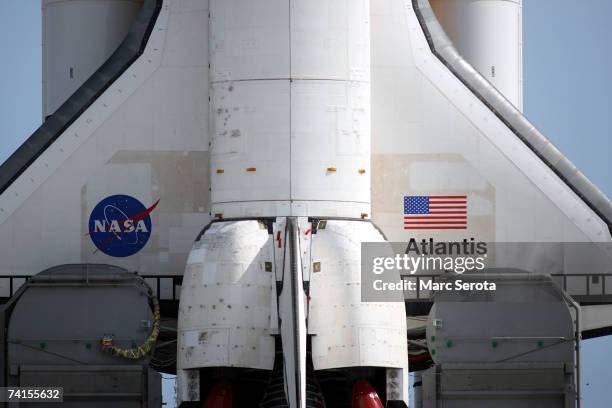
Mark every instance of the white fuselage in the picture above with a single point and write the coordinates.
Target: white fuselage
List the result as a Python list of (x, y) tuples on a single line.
[(290, 144), (290, 108)]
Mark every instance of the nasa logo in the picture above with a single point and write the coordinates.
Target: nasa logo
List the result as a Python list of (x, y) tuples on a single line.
[(120, 225)]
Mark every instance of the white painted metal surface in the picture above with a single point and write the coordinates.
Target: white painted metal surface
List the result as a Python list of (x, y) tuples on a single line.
[(292, 313), (230, 307), (290, 124), (596, 316), (348, 332), (430, 136), (290, 119), (488, 34), (290, 108), (434, 137), (78, 36), (145, 136), (224, 315)]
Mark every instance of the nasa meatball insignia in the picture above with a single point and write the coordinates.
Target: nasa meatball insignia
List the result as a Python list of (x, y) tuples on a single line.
[(120, 225)]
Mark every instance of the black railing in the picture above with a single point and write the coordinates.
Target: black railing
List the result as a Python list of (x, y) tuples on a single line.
[(174, 280), (584, 288), (588, 288), (9, 285)]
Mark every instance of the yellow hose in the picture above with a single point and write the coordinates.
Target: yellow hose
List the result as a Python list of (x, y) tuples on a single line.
[(138, 352)]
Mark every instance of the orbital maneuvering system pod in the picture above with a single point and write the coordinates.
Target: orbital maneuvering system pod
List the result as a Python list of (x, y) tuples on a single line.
[(271, 312)]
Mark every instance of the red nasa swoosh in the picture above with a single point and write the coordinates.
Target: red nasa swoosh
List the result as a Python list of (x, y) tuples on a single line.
[(136, 217), (143, 214)]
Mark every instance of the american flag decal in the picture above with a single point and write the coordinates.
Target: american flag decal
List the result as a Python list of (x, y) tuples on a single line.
[(435, 212)]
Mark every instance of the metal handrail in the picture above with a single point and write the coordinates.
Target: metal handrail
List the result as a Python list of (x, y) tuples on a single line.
[(559, 278), (177, 280)]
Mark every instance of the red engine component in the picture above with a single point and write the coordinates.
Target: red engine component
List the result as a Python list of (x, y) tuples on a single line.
[(220, 397), (365, 396)]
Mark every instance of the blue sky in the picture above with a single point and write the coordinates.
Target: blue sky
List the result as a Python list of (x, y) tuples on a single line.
[(567, 65), (567, 91), (20, 72)]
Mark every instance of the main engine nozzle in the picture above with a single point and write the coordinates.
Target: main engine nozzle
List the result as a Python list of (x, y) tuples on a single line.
[(220, 396), (365, 396)]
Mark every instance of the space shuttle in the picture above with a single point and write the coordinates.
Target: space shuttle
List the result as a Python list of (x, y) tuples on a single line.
[(236, 155)]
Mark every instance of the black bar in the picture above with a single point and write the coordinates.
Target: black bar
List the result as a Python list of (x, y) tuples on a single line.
[(588, 278)]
